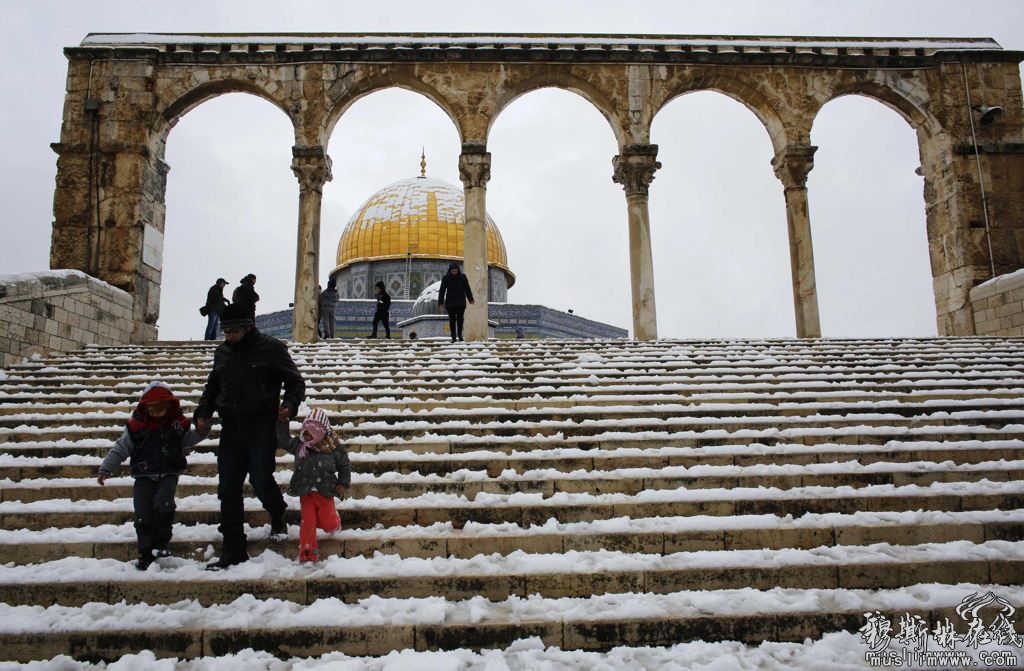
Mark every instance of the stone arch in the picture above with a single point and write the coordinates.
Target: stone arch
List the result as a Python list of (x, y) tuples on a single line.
[(188, 99), (910, 295), (912, 109), (379, 82), (566, 81), (745, 93)]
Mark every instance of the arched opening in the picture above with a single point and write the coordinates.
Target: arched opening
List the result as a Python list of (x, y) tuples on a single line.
[(563, 219), (718, 223), (375, 143), (868, 220), (232, 204)]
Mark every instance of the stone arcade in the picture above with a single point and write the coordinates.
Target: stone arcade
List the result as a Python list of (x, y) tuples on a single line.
[(125, 92)]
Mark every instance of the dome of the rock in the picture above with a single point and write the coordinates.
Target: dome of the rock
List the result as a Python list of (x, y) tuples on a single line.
[(405, 235)]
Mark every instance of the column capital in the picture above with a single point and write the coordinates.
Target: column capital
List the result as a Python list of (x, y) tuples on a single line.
[(312, 167), (634, 168), (474, 165), (793, 164)]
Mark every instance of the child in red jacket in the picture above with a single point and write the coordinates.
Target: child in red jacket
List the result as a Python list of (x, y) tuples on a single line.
[(157, 438)]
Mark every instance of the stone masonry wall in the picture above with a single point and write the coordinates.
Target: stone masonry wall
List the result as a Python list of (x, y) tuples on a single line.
[(59, 311), (999, 305)]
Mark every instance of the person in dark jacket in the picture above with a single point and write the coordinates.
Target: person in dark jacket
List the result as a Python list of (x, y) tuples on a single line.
[(454, 293), (245, 294), (322, 471), (156, 440), (215, 304), (244, 388), (383, 312), (328, 306)]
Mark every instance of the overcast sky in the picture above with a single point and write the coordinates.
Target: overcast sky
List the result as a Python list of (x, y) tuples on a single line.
[(717, 211)]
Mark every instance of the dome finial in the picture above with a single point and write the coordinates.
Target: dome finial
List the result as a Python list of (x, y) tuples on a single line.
[(423, 162)]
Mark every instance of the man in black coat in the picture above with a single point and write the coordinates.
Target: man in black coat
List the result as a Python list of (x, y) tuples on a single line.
[(454, 293), (215, 304), (244, 387), (245, 294)]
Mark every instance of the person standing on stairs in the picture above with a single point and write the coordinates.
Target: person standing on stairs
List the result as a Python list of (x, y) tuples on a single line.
[(244, 388), (156, 440), (383, 312), (454, 294), (245, 294), (215, 304), (328, 307)]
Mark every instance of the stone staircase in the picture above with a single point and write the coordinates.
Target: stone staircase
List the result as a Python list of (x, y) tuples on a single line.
[(593, 494)]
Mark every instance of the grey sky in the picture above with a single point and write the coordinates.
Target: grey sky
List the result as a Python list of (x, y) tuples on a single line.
[(718, 219)]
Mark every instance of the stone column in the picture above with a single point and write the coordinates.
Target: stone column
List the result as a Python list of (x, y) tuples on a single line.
[(312, 167), (792, 167), (475, 170), (634, 169)]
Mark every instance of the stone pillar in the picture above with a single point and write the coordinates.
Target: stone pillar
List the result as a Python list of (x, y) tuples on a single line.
[(475, 170), (312, 167), (634, 169), (792, 167)]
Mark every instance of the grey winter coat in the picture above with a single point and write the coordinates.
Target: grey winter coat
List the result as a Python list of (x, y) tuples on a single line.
[(125, 447), (317, 471), (328, 301)]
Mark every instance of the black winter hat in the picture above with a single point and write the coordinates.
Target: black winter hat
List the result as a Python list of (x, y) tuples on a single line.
[(454, 265), (379, 285), (237, 315)]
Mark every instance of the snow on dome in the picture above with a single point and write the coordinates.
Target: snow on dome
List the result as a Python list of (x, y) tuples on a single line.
[(421, 216), (427, 304)]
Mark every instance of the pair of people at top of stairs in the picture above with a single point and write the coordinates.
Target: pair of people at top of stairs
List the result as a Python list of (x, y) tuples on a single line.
[(244, 295)]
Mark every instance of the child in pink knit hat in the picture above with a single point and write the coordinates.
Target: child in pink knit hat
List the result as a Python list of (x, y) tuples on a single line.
[(321, 472)]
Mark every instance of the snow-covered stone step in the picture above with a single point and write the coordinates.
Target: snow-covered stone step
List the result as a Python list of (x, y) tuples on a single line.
[(529, 369), (653, 535), (383, 463), (604, 374), (376, 626), (12, 400), (549, 482), (578, 412), (78, 581), (836, 650), (459, 444), (527, 509), (510, 428), (121, 406)]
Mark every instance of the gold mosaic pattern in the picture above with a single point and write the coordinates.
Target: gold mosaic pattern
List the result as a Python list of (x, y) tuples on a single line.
[(422, 216)]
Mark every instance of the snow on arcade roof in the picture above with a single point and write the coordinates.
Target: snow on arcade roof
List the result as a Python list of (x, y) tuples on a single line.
[(509, 43)]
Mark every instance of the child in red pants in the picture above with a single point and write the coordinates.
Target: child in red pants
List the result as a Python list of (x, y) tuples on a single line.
[(321, 471)]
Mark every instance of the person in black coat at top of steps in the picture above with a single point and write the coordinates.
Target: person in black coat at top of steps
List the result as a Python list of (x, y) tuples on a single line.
[(454, 294), (244, 388), (215, 304), (245, 294), (383, 312)]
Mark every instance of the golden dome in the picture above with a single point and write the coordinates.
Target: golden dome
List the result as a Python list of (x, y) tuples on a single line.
[(421, 216)]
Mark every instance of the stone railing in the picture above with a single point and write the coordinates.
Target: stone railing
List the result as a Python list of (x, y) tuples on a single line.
[(998, 305), (59, 311)]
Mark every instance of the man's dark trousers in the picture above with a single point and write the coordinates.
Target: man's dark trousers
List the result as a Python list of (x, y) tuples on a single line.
[(246, 450), (456, 317), (154, 512)]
